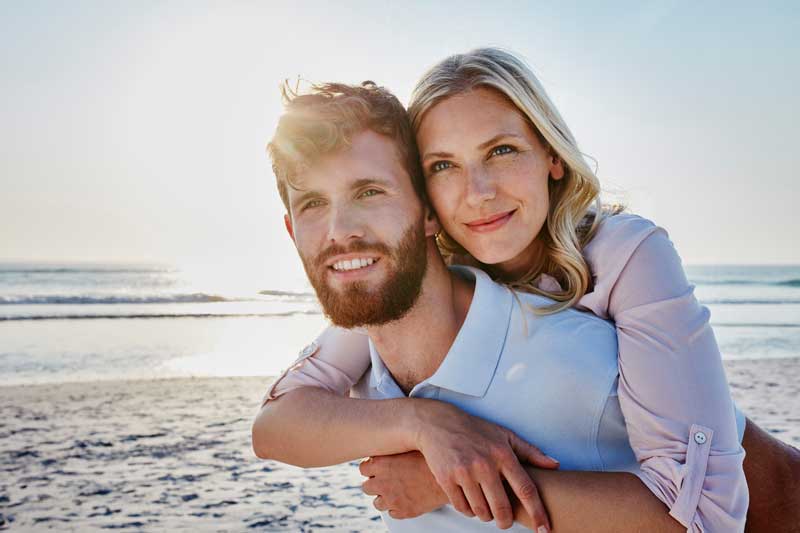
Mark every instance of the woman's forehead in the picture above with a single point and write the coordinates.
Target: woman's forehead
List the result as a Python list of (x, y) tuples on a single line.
[(471, 117)]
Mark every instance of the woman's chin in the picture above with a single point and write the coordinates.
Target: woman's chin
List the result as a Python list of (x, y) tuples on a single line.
[(494, 257)]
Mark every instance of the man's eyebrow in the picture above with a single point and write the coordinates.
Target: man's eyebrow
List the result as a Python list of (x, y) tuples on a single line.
[(482, 146), (364, 182), (357, 184), (303, 198)]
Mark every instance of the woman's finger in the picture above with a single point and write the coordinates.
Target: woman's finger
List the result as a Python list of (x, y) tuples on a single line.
[(380, 504), (457, 499), (366, 467), (499, 505), (529, 453), (370, 487), (528, 495), (476, 500)]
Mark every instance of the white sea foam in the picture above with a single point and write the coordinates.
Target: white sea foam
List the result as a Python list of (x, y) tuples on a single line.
[(66, 323)]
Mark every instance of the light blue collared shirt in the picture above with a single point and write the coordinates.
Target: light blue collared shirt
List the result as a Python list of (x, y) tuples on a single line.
[(551, 379)]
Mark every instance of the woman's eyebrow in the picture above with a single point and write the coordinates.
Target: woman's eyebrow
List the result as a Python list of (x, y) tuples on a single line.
[(437, 155), (482, 146), (498, 137)]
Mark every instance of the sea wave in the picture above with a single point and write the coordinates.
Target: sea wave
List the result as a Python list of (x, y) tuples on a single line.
[(286, 293), (753, 325), (773, 283), (59, 299), (78, 270), (154, 315), (752, 301)]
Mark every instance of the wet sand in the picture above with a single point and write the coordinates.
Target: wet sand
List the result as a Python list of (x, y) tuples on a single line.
[(174, 455)]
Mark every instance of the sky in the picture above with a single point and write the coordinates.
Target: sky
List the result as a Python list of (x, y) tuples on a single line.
[(136, 132)]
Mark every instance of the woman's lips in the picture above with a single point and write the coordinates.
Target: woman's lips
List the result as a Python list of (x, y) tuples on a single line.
[(491, 223)]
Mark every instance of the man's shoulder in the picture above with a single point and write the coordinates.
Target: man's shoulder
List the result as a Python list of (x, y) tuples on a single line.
[(527, 303), (530, 303)]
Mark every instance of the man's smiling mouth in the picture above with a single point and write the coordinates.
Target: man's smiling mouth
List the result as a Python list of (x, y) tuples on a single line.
[(353, 264)]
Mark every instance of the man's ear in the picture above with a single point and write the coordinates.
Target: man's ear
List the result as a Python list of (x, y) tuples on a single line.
[(287, 221), (432, 225)]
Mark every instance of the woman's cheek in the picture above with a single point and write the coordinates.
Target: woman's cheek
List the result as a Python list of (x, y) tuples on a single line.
[(443, 199)]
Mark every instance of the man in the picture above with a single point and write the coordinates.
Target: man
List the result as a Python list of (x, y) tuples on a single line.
[(357, 215)]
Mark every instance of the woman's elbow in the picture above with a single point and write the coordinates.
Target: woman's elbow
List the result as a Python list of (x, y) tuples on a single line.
[(261, 436)]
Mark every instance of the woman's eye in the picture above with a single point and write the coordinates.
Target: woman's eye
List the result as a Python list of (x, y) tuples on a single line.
[(502, 150), (440, 165)]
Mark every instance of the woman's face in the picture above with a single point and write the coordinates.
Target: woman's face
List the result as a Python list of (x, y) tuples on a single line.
[(487, 176)]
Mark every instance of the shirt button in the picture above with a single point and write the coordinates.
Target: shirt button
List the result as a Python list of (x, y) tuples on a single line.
[(309, 350), (700, 437)]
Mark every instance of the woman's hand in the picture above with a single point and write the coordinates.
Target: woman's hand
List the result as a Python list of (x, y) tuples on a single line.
[(470, 458), (402, 484)]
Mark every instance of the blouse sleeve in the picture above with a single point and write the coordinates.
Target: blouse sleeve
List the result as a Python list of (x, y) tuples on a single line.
[(673, 391), (334, 362)]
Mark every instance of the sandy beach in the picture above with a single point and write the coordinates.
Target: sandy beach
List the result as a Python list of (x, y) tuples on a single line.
[(174, 455)]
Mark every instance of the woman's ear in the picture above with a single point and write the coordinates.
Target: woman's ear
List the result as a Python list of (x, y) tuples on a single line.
[(556, 167), (432, 226)]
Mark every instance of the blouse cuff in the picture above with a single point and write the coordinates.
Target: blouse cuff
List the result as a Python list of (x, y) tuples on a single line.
[(304, 354), (685, 506), (690, 495)]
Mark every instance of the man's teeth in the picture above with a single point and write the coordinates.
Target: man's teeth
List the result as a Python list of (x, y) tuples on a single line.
[(353, 264)]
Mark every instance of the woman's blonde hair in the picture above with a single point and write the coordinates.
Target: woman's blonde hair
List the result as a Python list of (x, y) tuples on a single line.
[(575, 208)]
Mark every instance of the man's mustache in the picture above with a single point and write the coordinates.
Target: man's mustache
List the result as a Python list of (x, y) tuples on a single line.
[(355, 247)]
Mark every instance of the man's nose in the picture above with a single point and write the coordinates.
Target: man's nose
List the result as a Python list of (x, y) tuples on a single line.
[(345, 225), (481, 187)]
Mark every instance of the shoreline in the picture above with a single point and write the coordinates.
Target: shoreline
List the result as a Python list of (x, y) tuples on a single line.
[(173, 454), (268, 378)]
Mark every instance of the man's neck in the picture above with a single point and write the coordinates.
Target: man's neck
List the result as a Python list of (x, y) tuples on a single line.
[(413, 347)]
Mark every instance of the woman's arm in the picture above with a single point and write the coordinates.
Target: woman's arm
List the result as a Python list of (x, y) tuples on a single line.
[(310, 427), (613, 502), (335, 361), (303, 424), (672, 387)]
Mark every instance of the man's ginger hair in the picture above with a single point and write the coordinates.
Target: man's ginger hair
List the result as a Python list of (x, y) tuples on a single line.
[(326, 118)]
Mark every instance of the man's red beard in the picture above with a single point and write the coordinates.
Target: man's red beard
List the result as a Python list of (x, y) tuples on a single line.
[(356, 305)]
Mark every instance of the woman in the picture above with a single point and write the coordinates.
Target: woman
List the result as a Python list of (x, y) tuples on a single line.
[(523, 204)]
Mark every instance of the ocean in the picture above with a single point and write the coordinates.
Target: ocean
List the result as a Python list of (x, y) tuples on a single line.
[(61, 323)]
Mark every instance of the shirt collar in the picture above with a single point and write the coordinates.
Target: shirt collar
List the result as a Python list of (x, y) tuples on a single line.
[(469, 366), (472, 360), (378, 371)]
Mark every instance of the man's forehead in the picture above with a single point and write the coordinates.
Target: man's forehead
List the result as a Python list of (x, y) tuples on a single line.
[(369, 156)]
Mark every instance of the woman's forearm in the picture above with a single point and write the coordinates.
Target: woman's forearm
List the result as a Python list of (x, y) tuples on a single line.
[(310, 427), (612, 502), (576, 501)]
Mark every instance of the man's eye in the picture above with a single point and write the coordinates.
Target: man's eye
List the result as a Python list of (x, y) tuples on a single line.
[(369, 192), (440, 165), (312, 204), (503, 150)]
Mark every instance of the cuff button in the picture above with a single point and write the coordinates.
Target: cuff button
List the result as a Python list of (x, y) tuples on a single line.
[(309, 350), (700, 437)]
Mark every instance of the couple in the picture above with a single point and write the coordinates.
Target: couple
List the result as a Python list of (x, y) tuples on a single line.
[(637, 411)]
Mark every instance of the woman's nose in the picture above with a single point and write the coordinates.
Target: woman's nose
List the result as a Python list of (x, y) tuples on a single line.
[(480, 187)]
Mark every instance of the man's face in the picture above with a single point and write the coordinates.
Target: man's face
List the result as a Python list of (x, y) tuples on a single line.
[(360, 230)]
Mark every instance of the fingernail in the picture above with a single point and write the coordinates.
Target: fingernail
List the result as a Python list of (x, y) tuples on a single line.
[(555, 461), (542, 529)]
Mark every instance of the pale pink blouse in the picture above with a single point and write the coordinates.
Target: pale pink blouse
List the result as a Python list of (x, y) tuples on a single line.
[(672, 387)]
